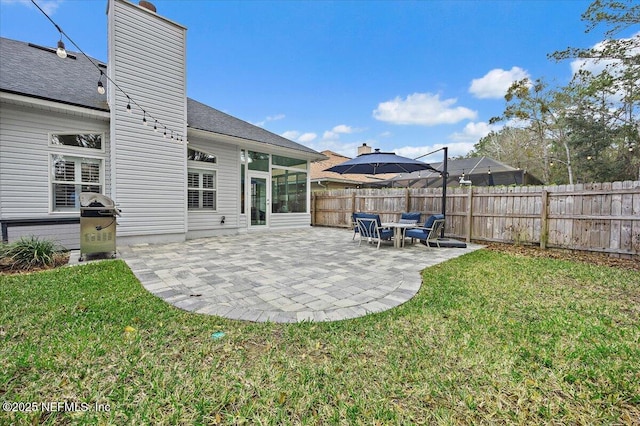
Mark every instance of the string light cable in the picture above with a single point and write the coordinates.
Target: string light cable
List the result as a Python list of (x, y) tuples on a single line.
[(62, 53)]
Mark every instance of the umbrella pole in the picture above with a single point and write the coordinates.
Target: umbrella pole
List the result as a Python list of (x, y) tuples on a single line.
[(445, 175)]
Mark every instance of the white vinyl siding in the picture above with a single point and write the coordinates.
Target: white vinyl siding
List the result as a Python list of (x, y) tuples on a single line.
[(25, 157), (290, 220), (65, 235), (207, 221), (147, 53)]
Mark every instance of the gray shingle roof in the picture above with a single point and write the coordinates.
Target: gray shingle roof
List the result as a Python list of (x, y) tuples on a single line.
[(38, 72), (203, 117)]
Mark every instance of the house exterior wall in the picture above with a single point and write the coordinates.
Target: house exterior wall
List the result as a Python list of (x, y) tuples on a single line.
[(290, 220), (25, 156), (147, 61), (204, 223), (64, 235)]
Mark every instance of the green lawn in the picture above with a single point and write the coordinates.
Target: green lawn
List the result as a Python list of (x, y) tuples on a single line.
[(490, 338)]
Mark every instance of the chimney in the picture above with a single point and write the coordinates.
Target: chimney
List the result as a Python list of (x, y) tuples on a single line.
[(147, 62), (147, 5), (364, 149)]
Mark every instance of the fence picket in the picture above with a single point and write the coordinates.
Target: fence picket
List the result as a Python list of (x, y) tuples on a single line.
[(602, 217)]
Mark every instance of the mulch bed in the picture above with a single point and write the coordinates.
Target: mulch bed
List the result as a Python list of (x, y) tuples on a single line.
[(59, 260), (601, 259)]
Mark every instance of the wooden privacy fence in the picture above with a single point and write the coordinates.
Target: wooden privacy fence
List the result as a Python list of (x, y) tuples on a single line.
[(601, 217)]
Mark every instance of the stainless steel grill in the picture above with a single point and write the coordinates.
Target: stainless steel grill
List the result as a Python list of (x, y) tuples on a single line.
[(97, 225)]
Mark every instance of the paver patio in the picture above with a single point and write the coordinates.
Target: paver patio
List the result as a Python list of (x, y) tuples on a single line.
[(314, 274)]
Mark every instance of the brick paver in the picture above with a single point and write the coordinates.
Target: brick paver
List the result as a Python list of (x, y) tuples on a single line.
[(315, 274)]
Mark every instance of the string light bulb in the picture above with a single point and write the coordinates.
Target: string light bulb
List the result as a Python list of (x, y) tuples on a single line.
[(61, 51), (100, 86)]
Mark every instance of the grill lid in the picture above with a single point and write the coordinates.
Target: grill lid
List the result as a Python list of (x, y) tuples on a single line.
[(89, 198)]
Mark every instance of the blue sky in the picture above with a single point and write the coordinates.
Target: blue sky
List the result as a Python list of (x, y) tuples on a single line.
[(401, 76)]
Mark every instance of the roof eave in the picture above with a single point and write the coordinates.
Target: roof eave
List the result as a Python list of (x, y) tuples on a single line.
[(52, 104), (252, 144)]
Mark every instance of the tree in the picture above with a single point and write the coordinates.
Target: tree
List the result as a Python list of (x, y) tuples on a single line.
[(513, 146), (608, 89), (542, 113)]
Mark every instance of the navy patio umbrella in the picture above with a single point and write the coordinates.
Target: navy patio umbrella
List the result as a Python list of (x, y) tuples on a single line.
[(379, 162)]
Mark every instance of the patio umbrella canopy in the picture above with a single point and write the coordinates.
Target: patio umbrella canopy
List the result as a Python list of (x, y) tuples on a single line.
[(379, 162)]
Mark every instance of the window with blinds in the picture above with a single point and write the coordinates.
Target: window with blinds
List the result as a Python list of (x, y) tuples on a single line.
[(70, 177), (201, 189)]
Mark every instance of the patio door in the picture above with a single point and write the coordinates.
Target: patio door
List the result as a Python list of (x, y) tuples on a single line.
[(259, 200)]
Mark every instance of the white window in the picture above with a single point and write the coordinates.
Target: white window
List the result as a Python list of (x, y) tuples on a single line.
[(72, 175), (201, 180), (201, 189), (92, 141)]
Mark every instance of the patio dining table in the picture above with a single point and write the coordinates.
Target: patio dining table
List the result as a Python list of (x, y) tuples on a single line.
[(398, 231)]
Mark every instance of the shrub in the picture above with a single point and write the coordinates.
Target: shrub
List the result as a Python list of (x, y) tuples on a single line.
[(29, 253)]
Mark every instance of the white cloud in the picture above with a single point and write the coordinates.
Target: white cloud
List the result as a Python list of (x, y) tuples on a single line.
[(295, 135), (473, 132), (330, 135), (597, 66), (424, 109), (338, 130), (454, 149), (290, 134), (348, 149), (49, 6), (307, 137), (270, 118), (495, 83), (343, 128)]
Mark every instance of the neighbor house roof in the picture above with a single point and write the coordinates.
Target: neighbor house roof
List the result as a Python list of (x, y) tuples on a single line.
[(318, 172), (456, 167), (37, 72), (475, 168)]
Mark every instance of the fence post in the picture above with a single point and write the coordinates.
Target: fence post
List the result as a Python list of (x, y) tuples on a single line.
[(544, 231), (469, 214), (313, 209), (407, 201), (353, 202)]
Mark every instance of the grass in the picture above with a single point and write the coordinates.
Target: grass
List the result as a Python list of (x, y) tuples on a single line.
[(490, 338)]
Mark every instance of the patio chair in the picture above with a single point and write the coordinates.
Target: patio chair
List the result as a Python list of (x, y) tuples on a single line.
[(371, 230), (429, 232), (354, 221), (411, 217)]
